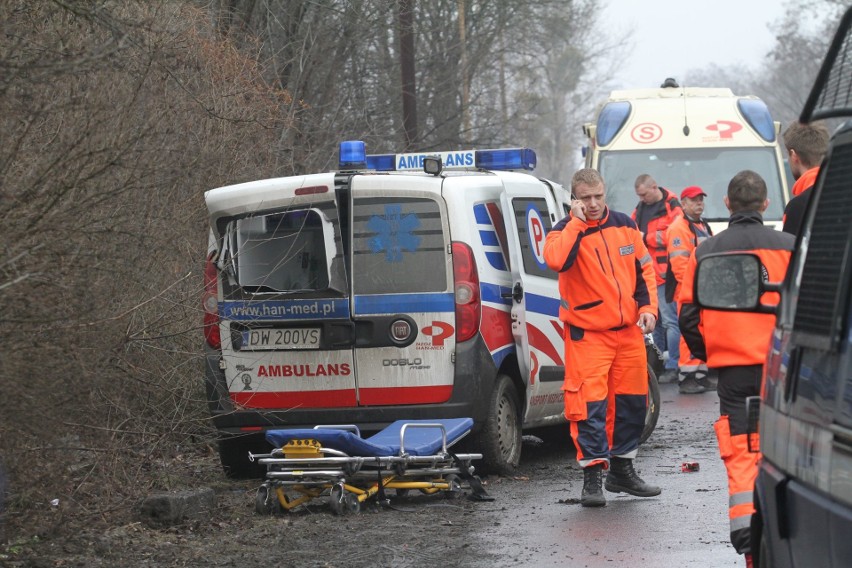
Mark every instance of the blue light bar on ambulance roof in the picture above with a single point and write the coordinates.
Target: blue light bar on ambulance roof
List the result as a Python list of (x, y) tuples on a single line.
[(757, 115), (611, 120), (503, 159), (353, 155)]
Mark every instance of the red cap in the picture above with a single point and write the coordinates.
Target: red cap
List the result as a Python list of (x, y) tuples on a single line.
[(692, 192)]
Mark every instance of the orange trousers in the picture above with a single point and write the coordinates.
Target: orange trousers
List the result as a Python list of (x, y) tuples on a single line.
[(605, 391), (735, 385)]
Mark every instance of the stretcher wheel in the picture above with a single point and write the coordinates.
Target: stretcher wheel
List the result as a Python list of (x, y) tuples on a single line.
[(265, 500), (454, 486), (401, 491), (342, 502), (351, 504)]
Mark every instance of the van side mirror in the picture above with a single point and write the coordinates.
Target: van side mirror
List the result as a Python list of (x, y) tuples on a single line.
[(731, 282)]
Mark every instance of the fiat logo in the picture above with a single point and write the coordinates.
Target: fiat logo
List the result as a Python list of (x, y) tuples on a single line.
[(400, 330)]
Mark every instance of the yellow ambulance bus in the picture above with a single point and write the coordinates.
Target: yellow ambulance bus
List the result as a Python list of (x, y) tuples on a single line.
[(685, 136)]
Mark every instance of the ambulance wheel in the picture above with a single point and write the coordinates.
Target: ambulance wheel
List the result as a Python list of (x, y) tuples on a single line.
[(652, 415), (499, 440), (453, 490)]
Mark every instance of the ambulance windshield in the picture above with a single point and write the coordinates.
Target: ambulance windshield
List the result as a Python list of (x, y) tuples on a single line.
[(282, 252), (674, 169)]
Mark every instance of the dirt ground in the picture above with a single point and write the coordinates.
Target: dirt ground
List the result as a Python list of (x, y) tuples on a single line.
[(535, 519), (414, 530)]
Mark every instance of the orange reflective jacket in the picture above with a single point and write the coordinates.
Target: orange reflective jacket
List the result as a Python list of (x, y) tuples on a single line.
[(655, 232), (682, 237), (726, 339), (605, 273), (806, 180)]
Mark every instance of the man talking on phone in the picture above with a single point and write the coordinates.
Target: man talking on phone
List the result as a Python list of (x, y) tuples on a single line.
[(608, 300)]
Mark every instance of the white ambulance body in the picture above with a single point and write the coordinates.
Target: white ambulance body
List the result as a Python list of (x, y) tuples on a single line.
[(365, 296), (682, 137)]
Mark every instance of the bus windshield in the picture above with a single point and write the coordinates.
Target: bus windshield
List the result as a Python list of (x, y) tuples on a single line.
[(674, 169)]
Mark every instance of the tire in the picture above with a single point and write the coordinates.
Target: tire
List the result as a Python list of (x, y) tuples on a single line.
[(655, 357), (653, 413), (499, 440), (233, 453), (455, 490)]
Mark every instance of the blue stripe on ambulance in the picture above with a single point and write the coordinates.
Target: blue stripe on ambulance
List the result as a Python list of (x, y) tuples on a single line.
[(488, 238), (541, 304), (404, 303), (492, 293)]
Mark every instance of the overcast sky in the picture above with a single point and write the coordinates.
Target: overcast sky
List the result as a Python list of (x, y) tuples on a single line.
[(671, 37)]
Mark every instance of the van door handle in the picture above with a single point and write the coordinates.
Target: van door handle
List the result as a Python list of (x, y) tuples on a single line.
[(516, 294)]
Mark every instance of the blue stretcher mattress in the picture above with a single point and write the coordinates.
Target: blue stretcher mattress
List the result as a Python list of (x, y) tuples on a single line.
[(418, 441)]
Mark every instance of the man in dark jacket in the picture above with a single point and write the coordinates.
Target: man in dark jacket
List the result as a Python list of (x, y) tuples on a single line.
[(657, 209), (736, 343), (806, 145)]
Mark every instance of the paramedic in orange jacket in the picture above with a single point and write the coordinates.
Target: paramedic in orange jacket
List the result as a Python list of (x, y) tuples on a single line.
[(736, 343), (608, 301), (686, 233), (657, 209)]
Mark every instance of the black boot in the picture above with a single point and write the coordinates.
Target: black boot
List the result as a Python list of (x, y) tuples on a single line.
[(623, 478), (592, 495)]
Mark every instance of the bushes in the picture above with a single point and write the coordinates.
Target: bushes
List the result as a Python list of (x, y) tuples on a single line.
[(116, 117)]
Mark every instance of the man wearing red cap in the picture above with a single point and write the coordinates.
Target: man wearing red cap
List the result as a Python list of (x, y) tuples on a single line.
[(683, 235)]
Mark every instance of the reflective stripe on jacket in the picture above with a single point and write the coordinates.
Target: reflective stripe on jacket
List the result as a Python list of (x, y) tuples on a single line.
[(605, 274), (655, 233), (735, 338)]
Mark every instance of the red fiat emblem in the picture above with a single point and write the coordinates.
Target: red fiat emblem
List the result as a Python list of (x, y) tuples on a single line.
[(400, 330)]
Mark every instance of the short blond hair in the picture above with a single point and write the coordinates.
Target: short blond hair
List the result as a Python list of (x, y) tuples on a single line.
[(588, 176)]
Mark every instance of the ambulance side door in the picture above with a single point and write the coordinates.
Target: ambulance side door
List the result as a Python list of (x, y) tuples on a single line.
[(529, 211)]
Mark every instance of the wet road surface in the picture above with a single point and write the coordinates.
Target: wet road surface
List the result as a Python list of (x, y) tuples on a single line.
[(536, 519)]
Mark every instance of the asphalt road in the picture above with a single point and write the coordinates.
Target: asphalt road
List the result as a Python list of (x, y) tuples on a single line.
[(541, 522)]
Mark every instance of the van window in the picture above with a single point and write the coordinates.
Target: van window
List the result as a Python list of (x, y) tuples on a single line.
[(532, 215), (280, 252), (675, 169), (823, 297), (398, 246)]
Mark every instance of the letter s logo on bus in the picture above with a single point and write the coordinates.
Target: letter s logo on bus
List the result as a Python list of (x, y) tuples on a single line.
[(646, 132), (438, 331)]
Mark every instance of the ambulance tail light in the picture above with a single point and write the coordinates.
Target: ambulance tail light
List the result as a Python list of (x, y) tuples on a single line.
[(757, 115), (611, 120), (468, 304), (211, 306)]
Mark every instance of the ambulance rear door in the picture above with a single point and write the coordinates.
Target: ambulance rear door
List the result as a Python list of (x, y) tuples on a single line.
[(284, 307), (402, 304), (529, 211)]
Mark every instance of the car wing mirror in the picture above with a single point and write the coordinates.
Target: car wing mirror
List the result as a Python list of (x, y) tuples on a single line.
[(732, 282)]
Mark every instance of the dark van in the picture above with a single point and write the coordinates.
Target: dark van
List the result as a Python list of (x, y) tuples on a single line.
[(803, 492)]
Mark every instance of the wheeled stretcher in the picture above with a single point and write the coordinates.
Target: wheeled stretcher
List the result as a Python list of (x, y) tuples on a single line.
[(335, 461)]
